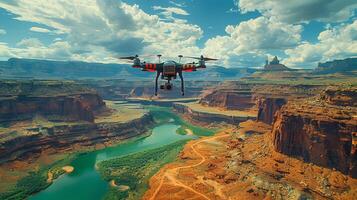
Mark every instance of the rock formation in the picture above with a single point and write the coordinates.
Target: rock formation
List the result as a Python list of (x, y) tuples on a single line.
[(69, 137), (267, 107), (55, 100), (320, 131), (63, 108), (275, 65), (230, 97), (211, 117), (345, 65)]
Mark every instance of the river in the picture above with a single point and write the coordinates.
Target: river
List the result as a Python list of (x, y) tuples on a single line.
[(86, 183)]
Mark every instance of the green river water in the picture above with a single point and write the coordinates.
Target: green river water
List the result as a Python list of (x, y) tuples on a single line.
[(86, 183)]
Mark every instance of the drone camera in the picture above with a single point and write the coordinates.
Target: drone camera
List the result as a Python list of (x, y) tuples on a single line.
[(167, 86)]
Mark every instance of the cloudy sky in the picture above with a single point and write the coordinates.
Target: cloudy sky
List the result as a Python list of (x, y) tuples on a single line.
[(241, 33)]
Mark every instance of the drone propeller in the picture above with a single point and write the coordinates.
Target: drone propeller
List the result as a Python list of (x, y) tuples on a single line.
[(129, 57), (202, 58)]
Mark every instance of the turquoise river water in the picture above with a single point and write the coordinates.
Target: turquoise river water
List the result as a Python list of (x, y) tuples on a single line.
[(86, 183)]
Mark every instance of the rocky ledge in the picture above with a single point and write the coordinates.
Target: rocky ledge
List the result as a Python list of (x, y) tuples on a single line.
[(230, 96), (205, 114), (319, 132), (55, 100), (70, 137)]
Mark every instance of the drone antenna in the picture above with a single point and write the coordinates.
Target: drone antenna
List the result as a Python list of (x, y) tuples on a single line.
[(159, 56), (180, 57)]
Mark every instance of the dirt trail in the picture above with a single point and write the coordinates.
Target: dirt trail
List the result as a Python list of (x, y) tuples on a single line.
[(230, 166), (170, 174)]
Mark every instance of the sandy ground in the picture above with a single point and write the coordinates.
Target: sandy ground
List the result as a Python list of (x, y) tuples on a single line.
[(243, 165), (68, 169), (112, 183), (189, 131)]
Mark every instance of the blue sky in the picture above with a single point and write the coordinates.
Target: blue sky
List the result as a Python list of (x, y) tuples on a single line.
[(241, 33)]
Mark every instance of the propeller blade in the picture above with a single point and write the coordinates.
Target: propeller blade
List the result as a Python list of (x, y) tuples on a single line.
[(209, 59), (128, 58), (202, 58)]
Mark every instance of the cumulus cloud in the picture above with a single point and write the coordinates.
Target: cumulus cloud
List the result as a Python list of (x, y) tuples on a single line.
[(334, 43), (29, 42), (177, 4), (295, 11), (253, 39), (99, 30), (171, 10), (2, 32), (39, 29), (33, 48)]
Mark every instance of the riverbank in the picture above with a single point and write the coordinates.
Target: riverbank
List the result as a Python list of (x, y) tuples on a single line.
[(199, 114), (135, 170), (85, 165), (40, 155)]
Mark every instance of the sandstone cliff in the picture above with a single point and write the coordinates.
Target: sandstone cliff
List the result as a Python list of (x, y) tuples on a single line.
[(318, 132), (210, 115), (267, 107), (63, 108), (69, 137), (58, 101)]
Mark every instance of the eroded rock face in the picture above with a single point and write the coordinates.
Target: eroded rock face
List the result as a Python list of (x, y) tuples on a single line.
[(319, 133), (231, 100), (68, 137), (267, 107), (340, 97), (205, 117), (64, 108)]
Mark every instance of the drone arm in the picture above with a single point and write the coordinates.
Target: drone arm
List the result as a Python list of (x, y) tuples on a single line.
[(182, 84), (156, 82)]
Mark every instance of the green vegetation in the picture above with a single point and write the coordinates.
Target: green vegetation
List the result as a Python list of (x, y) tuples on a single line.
[(163, 115), (136, 169), (36, 180)]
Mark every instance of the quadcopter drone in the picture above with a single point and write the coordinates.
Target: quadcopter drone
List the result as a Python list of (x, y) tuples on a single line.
[(168, 69)]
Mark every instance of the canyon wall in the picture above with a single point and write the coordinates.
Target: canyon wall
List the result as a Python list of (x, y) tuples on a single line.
[(65, 108), (55, 100), (207, 117), (267, 107), (319, 131), (68, 137), (230, 96)]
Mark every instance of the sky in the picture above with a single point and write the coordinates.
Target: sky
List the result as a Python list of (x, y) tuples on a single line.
[(240, 33)]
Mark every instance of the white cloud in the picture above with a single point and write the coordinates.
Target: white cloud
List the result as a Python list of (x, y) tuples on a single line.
[(335, 43), (168, 12), (100, 30), (252, 39), (177, 4), (2, 32), (171, 10), (29, 42), (39, 29), (295, 11)]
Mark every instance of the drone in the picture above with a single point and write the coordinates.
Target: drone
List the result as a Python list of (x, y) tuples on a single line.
[(169, 69)]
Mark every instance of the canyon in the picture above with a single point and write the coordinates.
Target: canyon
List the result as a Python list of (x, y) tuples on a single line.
[(302, 144), (320, 130), (36, 119), (277, 139)]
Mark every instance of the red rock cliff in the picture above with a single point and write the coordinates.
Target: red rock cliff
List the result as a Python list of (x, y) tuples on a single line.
[(267, 107), (318, 132), (65, 108)]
